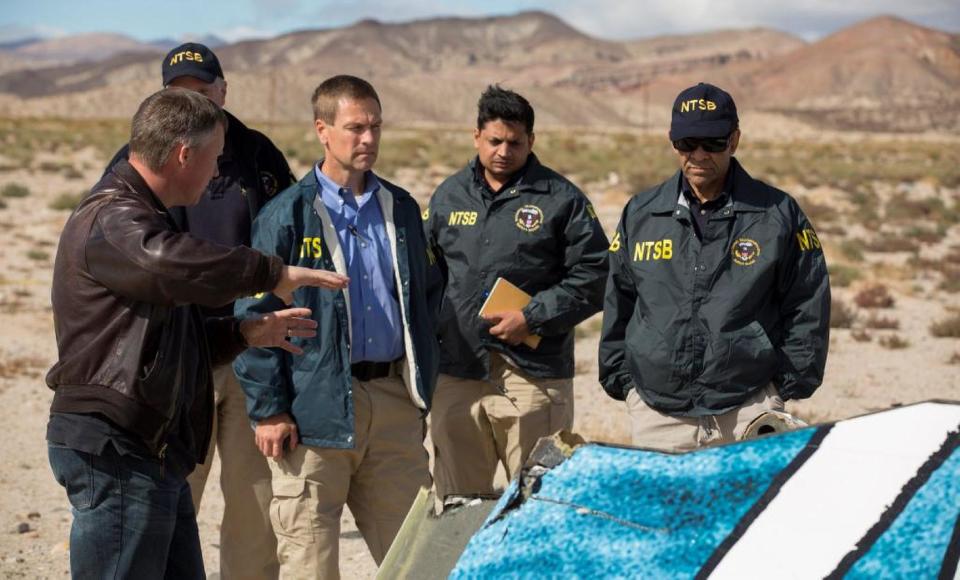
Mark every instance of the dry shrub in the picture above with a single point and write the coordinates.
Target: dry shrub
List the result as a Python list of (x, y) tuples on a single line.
[(71, 172), (894, 342), (881, 322), (50, 166), (951, 280), (19, 366), (67, 201), (861, 335), (853, 249), (946, 328), (892, 243), (15, 190), (842, 315), (949, 266), (876, 296), (817, 212), (842, 275), (954, 359), (928, 210), (927, 235)]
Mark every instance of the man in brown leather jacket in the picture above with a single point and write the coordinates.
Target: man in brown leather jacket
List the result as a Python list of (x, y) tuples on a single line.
[(132, 409)]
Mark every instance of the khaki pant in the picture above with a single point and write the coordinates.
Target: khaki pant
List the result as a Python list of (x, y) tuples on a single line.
[(654, 430), (476, 425), (248, 548), (378, 480)]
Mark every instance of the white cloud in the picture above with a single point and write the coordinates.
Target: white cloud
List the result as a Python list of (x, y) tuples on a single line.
[(809, 18), (238, 33), (294, 14), (15, 32)]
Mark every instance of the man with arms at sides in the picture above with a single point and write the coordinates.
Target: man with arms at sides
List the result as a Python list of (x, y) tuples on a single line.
[(251, 171), (718, 302), (344, 423), (506, 215), (133, 404)]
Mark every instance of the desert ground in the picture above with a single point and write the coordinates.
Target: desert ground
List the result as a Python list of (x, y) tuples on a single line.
[(886, 207)]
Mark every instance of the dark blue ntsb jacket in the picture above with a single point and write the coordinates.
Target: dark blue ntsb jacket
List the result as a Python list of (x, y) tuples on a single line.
[(315, 387), (697, 327)]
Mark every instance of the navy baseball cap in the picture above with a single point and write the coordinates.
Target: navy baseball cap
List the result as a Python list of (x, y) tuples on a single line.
[(703, 111), (191, 59)]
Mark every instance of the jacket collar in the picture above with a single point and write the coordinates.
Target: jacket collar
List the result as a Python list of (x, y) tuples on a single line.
[(309, 186), (745, 196), (535, 178), (132, 178)]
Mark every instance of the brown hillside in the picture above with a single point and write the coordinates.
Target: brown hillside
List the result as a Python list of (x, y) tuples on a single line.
[(82, 47), (884, 73)]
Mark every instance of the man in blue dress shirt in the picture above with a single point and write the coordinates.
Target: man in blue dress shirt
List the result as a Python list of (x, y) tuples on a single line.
[(343, 423)]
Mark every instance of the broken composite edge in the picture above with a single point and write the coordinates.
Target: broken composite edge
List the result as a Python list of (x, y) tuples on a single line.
[(879, 493)]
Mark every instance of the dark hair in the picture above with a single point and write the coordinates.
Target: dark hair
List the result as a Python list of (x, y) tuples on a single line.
[(329, 92), (170, 117), (499, 103)]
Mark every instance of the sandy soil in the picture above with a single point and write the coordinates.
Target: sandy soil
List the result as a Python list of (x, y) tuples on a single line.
[(35, 516)]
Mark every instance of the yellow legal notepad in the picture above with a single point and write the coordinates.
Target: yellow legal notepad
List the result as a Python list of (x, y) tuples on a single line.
[(505, 296)]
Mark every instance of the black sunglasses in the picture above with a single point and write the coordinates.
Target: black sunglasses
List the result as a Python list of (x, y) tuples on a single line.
[(709, 144)]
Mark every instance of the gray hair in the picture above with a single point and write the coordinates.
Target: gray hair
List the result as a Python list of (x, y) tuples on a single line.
[(172, 117)]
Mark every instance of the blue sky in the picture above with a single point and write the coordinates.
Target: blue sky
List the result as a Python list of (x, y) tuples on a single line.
[(615, 19)]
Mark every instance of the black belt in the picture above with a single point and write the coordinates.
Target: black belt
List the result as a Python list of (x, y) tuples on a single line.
[(368, 371)]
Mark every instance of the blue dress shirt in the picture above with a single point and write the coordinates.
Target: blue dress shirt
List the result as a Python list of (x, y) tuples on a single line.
[(374, 309)]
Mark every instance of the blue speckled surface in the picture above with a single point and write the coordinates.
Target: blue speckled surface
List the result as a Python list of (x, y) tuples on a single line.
[(609, 512), (914, 545)]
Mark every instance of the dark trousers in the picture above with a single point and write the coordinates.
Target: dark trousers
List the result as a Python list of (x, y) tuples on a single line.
[(130, 520)]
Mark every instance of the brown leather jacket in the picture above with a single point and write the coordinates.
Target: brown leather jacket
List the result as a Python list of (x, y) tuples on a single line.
[(130, 337)]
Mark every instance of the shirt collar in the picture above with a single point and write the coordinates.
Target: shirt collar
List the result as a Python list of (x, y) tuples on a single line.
[(515, 179), (688, 198), (330, 189)]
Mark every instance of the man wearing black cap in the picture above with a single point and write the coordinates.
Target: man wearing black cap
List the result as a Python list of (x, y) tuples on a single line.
[(717, 305), (251, 171)]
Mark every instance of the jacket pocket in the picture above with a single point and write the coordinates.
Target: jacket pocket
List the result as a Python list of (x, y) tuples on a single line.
[(156, 376), (745, 359), (649, 359)]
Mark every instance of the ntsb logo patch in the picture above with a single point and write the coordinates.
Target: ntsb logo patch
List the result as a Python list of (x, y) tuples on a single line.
[(529, 218), (745, 252)]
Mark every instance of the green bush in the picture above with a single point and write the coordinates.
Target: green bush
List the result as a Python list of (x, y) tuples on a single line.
[(67, 201), (15, 190), (842, 275), (894, 342)]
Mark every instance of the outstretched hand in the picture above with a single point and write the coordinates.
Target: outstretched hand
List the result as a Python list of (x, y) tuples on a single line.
[(294, 277), (273, 329)]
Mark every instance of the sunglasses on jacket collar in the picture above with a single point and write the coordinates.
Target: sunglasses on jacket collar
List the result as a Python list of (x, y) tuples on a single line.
[(709, 144)]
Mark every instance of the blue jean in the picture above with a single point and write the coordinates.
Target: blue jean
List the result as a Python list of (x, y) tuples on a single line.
[(130, 520)]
